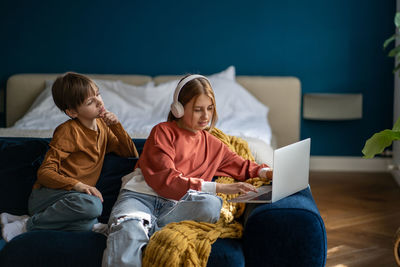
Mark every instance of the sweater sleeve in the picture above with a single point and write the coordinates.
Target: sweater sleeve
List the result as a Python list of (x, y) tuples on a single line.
[(235, 166), (119, 141), (159, 171), (48, 175)]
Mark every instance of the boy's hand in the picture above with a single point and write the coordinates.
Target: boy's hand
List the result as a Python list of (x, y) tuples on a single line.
[(235, 188), (109, 118), (87, 189)]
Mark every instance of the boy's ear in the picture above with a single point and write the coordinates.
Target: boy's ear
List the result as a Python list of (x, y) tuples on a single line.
[(71, 113)]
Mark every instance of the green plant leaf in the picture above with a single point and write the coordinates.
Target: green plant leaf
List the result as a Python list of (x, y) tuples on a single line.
[(397, 19), (396, 126), (378, 142), (389, 40), (396, 68), (394, 52)]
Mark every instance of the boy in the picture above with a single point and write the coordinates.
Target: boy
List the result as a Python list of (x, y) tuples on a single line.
[(64, 197)]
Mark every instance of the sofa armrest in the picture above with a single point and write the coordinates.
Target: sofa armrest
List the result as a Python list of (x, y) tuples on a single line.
[(289, 232)]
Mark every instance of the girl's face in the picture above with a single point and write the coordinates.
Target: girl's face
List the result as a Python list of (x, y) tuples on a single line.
[(198, 114)]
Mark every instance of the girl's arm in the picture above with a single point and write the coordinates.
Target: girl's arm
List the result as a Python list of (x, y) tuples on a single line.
[(235, 166)]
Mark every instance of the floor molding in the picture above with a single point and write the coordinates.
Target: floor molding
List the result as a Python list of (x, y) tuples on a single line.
[(396, 175), (356, 164)]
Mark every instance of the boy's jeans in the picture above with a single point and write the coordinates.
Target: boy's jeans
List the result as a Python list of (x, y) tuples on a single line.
[(54, 209), (136, 216)]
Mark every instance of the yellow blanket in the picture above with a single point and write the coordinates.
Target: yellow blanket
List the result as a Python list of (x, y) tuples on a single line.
[(188, 243)]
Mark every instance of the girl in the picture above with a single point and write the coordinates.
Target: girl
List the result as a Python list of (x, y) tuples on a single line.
[(172, 181)]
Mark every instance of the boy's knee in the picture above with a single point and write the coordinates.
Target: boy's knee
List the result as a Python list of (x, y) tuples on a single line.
[(91, 206), (94, 207)]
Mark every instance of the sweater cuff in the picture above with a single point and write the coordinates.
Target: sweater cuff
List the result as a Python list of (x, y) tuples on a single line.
[(208, 187)]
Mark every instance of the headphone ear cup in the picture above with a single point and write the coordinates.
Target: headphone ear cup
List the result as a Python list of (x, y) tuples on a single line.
[(177, 109)]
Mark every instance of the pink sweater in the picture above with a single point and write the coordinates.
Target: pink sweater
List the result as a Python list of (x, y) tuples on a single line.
[(175, 160)]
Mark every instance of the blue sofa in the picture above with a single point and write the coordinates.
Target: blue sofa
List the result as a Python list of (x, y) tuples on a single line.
[(289, 232)]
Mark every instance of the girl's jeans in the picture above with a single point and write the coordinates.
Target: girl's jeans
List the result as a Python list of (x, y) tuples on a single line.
[(136, 216)]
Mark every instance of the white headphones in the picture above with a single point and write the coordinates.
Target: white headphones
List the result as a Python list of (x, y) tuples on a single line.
[(176, 106)]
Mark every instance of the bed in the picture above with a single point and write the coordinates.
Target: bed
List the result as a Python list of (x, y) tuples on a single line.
[(274, 100)]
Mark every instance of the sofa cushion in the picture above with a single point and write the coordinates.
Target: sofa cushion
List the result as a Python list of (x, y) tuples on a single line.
[(20, 159), (59, 248), (226, 252), (109, 183), (54, 248)]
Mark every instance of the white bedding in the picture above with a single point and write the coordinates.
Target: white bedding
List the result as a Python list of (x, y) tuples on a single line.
[(139, 108)]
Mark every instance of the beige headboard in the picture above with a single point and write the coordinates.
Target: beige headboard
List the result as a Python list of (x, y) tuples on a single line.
[(281, 94)]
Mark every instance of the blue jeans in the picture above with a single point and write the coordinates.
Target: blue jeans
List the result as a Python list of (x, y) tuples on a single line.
[(54, 209), (136, 216)]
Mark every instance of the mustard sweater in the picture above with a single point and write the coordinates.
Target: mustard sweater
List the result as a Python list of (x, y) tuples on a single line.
[(77, 153)]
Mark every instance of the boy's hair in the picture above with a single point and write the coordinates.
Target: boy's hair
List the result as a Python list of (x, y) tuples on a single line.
[(71, 89), (193, 89)]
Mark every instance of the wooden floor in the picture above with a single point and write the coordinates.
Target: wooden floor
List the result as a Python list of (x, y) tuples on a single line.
[(361, 212)]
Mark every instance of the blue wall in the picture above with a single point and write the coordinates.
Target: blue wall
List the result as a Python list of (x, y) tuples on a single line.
[(332, 46)]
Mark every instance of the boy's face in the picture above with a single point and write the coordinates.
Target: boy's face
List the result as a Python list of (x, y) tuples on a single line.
[(90, 109), (198, 114)]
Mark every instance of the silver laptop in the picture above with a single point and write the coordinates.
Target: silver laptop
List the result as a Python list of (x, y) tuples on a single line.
[(290, 174)]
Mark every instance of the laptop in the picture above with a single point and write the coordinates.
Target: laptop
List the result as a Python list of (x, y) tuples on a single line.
[(291, 166)]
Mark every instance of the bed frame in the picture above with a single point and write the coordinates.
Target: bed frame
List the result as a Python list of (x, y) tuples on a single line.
[(281, 94)]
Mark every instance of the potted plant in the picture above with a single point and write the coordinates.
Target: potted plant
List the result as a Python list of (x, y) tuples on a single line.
[(379, 141)]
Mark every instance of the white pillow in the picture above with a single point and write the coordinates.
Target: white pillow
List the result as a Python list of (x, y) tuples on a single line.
[(239, 112), (142, 107), (44, 114), (150, 105), (229, 73), (139, 108)]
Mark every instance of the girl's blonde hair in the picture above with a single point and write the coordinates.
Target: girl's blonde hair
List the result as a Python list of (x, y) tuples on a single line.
[(193, 89)]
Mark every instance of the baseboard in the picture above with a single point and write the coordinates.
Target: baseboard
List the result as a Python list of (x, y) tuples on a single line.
[(356, 164), (396, 175)]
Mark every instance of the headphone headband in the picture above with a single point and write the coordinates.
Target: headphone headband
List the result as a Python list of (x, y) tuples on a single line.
[(182, 83), (176, 107)]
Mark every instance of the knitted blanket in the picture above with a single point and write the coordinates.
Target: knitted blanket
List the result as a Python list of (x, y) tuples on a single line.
[(188, 243)]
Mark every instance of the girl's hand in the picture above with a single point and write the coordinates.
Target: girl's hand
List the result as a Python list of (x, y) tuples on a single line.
[(109, 118), (266, 173), (87, 189), (235, 188)]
